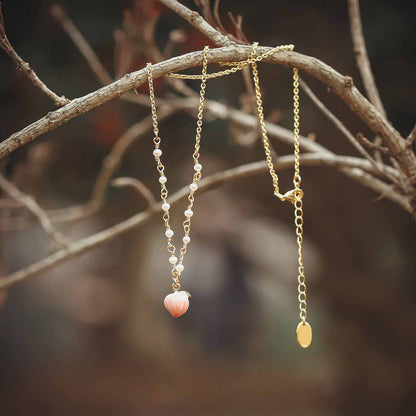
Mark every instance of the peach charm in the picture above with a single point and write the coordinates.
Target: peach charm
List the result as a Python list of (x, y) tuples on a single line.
[(177, 303)]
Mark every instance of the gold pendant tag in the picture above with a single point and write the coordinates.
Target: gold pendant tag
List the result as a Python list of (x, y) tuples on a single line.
[(304, 334)]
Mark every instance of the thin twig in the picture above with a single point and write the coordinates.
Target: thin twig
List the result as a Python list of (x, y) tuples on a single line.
[(83, 46), (217, 16), (373, 146), (196, 20), (109, 166), (361, 55), (25, 68), (411, 138), (341, 127), (238, 27), (364, 66), (57, 238), (139, 186), (88, 53), (77, 248)]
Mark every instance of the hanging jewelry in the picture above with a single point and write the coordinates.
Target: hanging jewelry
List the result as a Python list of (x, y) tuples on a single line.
[(303, 330), (177, 303)]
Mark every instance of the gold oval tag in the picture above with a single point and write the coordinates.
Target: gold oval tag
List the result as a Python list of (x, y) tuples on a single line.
[(304, 334)]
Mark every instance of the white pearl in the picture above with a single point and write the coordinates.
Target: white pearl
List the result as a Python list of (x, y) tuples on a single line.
[(189, 213), (180, 268), (197, 167), (186, 239), (173, 259), (165, 206), (193, 187), (163, 179), (169, 233), (157, 153)]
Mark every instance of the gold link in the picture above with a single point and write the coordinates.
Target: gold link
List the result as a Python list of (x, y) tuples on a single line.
[(295, 196), (299, 203), (236, 66), (266, 143), (176, 275)]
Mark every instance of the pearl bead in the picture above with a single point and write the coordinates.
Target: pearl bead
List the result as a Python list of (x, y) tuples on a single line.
[(163, 179), (169, 233), (189, 213), (180, 268), (157, 153), (186, 239), (197, 167), (173, 259), (193, 187), (165, 206)]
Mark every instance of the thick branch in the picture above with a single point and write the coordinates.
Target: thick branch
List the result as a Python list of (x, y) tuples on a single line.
[(216, 109), (82, 246), (312, 66)]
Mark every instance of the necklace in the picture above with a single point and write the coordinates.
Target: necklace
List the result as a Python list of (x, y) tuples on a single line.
[(177, 302), (303, 330)]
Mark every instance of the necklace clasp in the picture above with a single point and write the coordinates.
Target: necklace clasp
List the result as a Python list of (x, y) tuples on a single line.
[(292, 195)]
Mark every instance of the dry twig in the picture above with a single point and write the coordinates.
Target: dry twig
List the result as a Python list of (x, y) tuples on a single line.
[(83, 46), (139, 186), (350, 137), (57, 238), (411, 138), (373, 146), (25, 68), (361, 55)]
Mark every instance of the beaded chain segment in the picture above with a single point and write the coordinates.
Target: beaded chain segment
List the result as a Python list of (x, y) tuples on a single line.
[(177, 303)]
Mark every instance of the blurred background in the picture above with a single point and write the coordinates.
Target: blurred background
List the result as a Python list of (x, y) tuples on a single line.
[(91, 337)]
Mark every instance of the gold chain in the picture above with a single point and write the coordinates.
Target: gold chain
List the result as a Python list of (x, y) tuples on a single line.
[(236, 66), (298, 203), (304, 331), (177, 266)]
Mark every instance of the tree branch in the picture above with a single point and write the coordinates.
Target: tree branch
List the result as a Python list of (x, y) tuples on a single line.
[(82, 246), (197, 21), (312, 66), (139, 186), (109, 166), (361, 56), (373, 146), (83, 46), (57, 238), (216, 109), (341, 127), (25, 68), (411, 138)]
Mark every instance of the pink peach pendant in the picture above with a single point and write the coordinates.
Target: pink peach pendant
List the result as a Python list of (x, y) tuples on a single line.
[(177, 303)]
